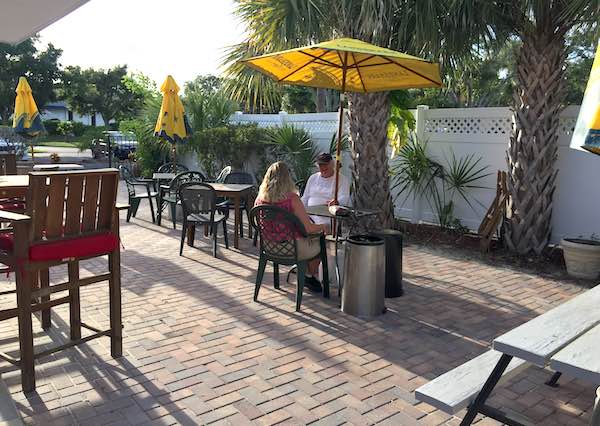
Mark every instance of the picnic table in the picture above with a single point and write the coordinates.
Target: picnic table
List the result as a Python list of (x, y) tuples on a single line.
[(566, 339), (230, 190)]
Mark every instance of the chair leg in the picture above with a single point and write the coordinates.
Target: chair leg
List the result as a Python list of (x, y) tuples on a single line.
[(213, 228), (241, 225), (46, 313), (152, 209), (225, 237), (114, 283), (183, 230), (24, 283), (135, 203), (160, 205), (255, 238), (74, 302), (276, 275), (173, 207), (262, 263), (325, 267), (300, 285)]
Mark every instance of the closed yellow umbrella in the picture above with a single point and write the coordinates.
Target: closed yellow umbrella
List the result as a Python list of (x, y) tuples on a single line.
[(351, 65), (587, 128), (172, 124), (26, 118)]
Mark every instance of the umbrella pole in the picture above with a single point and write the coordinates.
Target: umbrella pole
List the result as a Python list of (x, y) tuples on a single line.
[(338, 150)]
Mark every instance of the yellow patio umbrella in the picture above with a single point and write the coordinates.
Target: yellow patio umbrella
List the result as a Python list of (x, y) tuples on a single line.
[(587, 129), (348, 65), (172, 124), (26, 118)]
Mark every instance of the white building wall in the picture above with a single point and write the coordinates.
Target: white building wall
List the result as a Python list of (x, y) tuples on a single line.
[(483, 132)]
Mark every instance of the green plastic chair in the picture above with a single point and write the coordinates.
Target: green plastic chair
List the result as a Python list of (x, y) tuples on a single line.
[(269, 220)]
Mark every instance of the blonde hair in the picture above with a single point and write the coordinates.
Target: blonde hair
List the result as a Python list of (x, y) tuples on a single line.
[(277, 183)]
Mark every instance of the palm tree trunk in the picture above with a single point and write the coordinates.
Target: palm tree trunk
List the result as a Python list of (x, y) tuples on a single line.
[(533, 146), (368, 116)]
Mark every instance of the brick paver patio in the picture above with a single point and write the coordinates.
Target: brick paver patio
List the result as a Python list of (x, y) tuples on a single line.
[(199, 351)]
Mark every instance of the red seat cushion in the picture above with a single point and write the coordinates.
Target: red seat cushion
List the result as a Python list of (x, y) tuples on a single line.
[(12, 205), (88, 246)]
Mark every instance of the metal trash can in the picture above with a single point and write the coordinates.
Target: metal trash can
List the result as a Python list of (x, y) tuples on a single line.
[(364, 273), (393, 261)]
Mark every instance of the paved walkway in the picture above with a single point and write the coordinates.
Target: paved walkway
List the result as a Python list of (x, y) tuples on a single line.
[(199, 351)]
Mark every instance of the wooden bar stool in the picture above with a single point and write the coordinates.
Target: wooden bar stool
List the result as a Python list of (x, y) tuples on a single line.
[(71, 216)]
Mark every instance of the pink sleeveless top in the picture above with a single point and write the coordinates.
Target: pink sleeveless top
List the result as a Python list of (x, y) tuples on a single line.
[(272, 230)]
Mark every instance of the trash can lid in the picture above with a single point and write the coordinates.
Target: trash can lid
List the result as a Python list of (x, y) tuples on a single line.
[(365, 240)]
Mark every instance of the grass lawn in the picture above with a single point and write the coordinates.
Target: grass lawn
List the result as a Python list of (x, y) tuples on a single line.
[(59, 144)]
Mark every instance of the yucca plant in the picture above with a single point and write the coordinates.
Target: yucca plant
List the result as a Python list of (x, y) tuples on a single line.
[(294, 146), (415, 174)]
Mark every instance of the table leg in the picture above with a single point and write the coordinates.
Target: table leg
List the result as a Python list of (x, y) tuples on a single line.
[(236, 222)]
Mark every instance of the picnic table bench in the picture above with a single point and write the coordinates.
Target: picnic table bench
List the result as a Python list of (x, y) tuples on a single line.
[(566, 339)]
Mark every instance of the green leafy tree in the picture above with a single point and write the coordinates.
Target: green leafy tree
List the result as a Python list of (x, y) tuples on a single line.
[(206, 104), (142, 85), (39, 66), (103, 91)]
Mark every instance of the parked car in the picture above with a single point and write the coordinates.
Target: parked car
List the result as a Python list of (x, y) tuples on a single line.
[(122, 143)]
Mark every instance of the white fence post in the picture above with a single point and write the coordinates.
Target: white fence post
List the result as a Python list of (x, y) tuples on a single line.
[(417, 201)]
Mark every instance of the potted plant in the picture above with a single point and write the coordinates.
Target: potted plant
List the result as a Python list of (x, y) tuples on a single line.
[(582, 256)]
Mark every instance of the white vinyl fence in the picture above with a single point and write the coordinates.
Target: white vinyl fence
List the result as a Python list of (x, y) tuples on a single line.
[(483, 132)]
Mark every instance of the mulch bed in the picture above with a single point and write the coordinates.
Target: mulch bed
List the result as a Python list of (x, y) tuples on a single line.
[(549, 264)]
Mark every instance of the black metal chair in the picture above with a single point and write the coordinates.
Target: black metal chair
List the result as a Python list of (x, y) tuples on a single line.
[(278, 229), (237, 178), (169, 194), (135, 195), (301, 185), (171, 168), (198, 201), (223, 174)]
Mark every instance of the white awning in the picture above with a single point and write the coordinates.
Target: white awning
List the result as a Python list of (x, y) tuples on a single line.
[(20, 19)]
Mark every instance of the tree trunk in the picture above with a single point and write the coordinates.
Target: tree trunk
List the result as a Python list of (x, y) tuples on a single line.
[(321, 100), (533, 147), (368, 116)]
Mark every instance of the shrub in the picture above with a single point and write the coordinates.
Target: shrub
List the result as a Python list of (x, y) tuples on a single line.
[(51, 126), (15, 142), (231, 145), (78, 128), (65, 128)]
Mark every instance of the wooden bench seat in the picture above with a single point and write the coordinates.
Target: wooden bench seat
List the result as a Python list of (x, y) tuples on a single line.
[(456, 389)]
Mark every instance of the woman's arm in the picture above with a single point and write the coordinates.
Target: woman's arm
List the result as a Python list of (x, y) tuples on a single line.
[(299, 210)]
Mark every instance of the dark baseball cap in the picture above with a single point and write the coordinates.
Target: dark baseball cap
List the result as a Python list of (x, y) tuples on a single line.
[(324, 158)]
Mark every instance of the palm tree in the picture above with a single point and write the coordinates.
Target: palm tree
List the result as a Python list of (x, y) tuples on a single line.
[(541, 27)]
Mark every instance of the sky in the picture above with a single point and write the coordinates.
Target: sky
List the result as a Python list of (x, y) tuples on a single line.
[(184, 38)]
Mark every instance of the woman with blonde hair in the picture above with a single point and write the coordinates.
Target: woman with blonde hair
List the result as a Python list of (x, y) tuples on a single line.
[(278, 189)]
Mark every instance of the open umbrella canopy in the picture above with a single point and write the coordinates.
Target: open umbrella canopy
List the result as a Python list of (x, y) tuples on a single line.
[(26, 119), (587, 130), (348, 65), (23, 18), (172, 124)]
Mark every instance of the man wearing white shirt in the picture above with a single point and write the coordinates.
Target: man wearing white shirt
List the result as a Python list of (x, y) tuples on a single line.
[(320, 187)]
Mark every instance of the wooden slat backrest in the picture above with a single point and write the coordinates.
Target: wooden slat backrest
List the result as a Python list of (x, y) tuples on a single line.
[(8, 164), (70, 204)]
